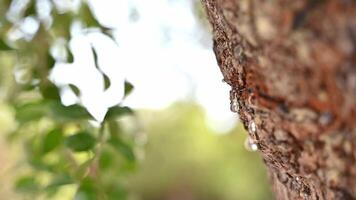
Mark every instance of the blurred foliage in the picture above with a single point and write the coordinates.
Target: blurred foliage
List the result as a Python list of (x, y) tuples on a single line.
[(64, 147), (187, 160)]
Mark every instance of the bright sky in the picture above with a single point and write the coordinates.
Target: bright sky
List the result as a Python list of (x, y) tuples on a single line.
[(159, 53)]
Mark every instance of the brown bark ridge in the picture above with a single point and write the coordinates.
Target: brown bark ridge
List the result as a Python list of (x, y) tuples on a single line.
[(291, 65)]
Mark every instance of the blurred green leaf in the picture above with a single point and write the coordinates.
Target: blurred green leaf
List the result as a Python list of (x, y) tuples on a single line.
[(108, 32), (55, 109), (30, 111), (82, 141), (75, 89), (122, 148), (72, 112), (49, 90), (107, 82), (115, 128), (70, 57), (95, 55), (61, 24), (5, 3), (26, 184), (87, 15), (52, 140), (116, 192), (117, 111), (106, 159), (87, 190), (4, 46), (34, 152), (50, 61), (31, 8), (37, 163), (29, 86), (128, 88), (59, 180)]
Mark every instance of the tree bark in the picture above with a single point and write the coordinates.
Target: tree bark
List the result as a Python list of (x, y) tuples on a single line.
[(291, 66)]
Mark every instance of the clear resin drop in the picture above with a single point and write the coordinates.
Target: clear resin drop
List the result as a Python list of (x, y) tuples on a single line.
[(234, 105), (252, 127), (250, 145)]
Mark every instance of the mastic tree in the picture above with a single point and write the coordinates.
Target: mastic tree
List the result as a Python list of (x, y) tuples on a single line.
[(291, 66)]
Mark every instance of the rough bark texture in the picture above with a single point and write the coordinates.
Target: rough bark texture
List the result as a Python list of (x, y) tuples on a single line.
[(291, 65)]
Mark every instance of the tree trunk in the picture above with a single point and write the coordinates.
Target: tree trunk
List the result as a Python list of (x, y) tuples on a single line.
[(291, 65)]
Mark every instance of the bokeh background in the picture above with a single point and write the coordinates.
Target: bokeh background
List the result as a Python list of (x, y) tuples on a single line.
[(189, 145)]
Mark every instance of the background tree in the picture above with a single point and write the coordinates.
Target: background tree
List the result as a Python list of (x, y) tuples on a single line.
[(64, 145), (291, 67)]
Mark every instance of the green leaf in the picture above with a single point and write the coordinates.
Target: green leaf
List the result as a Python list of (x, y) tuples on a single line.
[(52, 140), (55, 109), (87, 190), (50, 61), (4, 46), (61, 24), (116, 191), (72, 112), (128, 88), (107, 82), (31, 111), (75, 89), (95, 55), (106, 159), (122, 148), (29, 86), (49, 90), (37, 163), (81, 141), (31, 9), (108, 32), (87, 16), (115, 128), (60, 180), (117, 111), (26, 184), (70, 57)]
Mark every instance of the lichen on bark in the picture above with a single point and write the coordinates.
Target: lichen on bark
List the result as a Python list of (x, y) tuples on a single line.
[(291, 66)]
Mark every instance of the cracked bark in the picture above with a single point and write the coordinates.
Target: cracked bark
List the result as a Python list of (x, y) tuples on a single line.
[(291, 66)]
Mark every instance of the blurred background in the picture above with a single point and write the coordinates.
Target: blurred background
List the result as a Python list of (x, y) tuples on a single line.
[(117, 99)]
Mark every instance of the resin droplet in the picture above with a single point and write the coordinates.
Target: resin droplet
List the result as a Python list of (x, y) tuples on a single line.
[(250, 145), (234, 105), (252, 127)]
